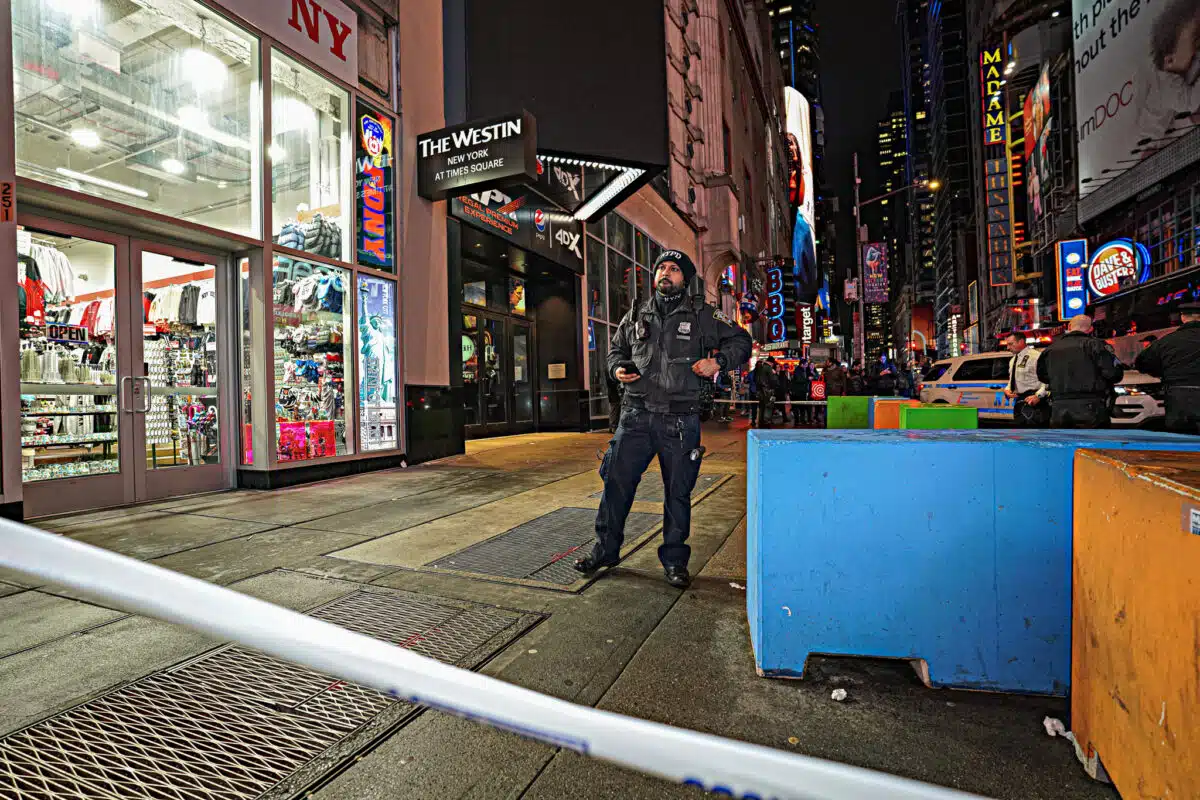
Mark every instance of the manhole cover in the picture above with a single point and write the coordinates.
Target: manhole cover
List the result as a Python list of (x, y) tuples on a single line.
[(234, 723), (650, 490), (541, 549)]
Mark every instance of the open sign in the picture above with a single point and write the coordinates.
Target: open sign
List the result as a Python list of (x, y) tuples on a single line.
[(67, 334)]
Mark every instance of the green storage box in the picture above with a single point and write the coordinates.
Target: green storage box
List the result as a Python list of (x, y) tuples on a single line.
[(848, 412), (939, 418)]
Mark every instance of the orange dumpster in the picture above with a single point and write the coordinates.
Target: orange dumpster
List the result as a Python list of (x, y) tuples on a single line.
[(1135, 665)]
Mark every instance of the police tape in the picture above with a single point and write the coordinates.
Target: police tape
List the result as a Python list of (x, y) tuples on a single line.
[(722, 766)]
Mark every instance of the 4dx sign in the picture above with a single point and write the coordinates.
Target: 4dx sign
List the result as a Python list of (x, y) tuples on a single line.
[(776, 330)]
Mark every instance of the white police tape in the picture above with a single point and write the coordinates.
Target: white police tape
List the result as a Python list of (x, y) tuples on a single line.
[(721, 766)]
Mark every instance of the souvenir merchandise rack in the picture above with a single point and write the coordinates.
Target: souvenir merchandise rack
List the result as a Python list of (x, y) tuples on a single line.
[(179, 348), (310, 364), (68, 370)]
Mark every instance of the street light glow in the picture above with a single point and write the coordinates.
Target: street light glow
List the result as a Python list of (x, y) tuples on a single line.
[(933, 185)]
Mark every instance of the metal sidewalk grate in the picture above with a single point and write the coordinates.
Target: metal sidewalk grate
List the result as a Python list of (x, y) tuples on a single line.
[(541, 549), (650, 490), (234, 723)]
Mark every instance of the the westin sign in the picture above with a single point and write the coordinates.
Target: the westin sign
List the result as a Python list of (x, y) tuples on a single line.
[(479, 155)]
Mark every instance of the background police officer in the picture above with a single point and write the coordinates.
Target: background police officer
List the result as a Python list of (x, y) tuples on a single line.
[(661, 353), (1081, 372), (1175, 358)]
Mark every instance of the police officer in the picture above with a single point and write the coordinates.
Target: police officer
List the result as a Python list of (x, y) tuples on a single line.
[(1175, 358), (1031, 409), (661, 353), (1081, 372)]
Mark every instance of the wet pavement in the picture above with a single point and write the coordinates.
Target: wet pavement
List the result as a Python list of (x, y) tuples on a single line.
[(626, 643)]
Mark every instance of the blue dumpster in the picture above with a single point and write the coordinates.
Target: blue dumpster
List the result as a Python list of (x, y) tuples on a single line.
[(953, 547)]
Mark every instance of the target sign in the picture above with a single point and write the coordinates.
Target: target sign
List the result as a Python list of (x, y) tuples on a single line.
[(818, 390)]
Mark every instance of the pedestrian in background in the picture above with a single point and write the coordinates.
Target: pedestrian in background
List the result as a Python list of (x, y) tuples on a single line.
[(1081, 372), (1031, 409), (883, 377), (836, 379), (798, 391), (1175, 359)]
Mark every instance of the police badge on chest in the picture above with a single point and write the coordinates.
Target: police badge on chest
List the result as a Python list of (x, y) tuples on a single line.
[(684, 331)]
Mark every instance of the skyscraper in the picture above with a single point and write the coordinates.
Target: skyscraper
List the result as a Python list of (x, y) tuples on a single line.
[(948, 103), (797, 41)]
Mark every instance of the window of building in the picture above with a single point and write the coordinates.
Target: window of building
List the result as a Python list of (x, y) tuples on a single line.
[(312, 350), (726, 147), (310, 160), (619, 258), (163, 116)]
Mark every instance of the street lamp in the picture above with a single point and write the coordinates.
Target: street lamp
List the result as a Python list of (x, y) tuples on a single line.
[(931, 184)]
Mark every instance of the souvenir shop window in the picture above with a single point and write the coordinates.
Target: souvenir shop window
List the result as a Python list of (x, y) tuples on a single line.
[(174, 128), (374, 193), (310, 160), (179, 348), (377, 418), (312, 348), (69, 403)]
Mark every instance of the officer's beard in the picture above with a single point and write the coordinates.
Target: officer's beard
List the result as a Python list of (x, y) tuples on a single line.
[(667, 289)]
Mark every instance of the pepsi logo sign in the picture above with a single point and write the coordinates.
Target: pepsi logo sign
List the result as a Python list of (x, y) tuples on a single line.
[(539, 220), (1116, 266)]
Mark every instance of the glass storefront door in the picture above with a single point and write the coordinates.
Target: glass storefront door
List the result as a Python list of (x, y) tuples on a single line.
[(120, 349), (497, 375), (177, 367)]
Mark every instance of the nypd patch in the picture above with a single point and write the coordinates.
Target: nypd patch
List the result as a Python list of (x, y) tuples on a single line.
[(720, 317)]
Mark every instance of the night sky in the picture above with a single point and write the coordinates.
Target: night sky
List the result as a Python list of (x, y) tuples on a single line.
[(860, 65)]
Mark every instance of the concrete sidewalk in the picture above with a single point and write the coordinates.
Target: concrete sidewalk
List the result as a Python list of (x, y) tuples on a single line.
[(415, 540)]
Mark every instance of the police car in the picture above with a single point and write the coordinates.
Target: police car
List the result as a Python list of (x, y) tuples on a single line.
[(980, 380)]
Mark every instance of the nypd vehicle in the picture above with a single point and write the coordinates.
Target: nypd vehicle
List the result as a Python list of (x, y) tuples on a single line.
[(980, 380)]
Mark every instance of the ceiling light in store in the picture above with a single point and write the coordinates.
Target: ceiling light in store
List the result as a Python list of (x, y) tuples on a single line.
[(86, 137), (1055, 14), (277, 152), (174, 166), (116, 187), (193, 118), (290, 114), (222, 184), (206, 72), (78, 9)]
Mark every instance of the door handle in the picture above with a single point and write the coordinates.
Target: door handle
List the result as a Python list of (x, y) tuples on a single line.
[(145, 409), (121, 393)]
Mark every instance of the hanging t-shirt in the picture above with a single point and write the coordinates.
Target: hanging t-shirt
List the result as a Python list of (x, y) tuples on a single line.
[(206, 306)]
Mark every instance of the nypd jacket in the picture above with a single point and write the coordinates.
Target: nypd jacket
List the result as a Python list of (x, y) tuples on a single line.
[(665, 348), (1079, 367)]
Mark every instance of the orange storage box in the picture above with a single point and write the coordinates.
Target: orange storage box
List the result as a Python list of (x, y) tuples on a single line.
[(885, 412), (1135, 652)]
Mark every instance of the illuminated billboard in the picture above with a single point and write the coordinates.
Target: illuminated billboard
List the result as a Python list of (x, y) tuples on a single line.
[(1136, 70), (1037, 140), (806, 278)]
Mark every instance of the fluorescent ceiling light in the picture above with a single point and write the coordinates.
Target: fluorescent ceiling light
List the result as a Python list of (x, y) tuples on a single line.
[(277, 152), (86, 137), (116, 187), (290, 114), (206, 72), (193, 118), (174, 166)]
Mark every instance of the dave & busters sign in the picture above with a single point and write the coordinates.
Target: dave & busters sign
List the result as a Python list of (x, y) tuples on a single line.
[(1117, 266)]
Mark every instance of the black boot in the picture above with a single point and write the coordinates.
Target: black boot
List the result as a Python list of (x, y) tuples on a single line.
[(678, 577), (590, 564)]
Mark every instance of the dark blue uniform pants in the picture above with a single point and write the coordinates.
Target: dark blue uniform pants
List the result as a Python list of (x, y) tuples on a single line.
[(640, 436)]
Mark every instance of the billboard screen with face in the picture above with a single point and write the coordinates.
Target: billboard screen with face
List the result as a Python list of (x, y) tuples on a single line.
[(806, 279), (1136, 83), (1037, 140)]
